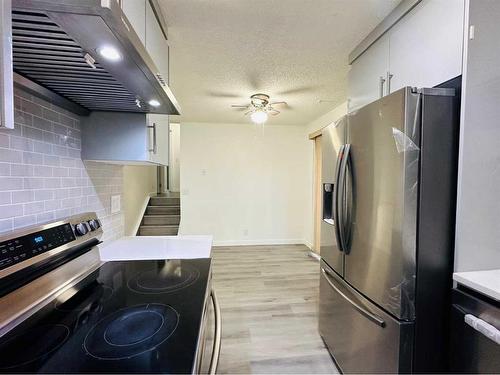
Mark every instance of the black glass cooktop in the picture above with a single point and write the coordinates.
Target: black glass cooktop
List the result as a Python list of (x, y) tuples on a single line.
[(126, 317)]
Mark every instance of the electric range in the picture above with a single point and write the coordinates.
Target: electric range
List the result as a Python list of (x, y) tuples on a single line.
[(85, 316)]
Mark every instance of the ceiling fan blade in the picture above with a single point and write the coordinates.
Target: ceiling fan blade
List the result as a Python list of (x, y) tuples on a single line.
[(297, 90), (274, 112), (222, 95), (238, 107), (283, 104), (248, 112)]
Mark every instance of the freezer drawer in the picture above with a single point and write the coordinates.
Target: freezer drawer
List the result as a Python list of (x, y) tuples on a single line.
[(471, 350), (361, 337)]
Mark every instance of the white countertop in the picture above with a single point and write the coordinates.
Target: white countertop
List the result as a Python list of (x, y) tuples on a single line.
[(157, 247), (485, 282)]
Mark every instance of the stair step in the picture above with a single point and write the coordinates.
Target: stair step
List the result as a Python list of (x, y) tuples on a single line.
[(163, 210), (158, 230), (161, 219), (164, 201)]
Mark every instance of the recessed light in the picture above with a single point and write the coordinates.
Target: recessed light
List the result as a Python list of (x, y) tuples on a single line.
[(110, 53), (154, 103)]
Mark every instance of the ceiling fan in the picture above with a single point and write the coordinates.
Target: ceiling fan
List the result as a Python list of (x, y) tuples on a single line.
[(260, 108)]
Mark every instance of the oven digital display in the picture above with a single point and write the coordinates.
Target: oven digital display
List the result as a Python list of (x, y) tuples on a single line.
[(22, 248)]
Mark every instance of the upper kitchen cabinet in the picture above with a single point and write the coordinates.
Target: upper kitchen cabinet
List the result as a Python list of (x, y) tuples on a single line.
[(125, 138), (156, 43), (426, 46), (142, 17), (160, 126), (367, 77), (420, 46), (6, 76), (135, 10)]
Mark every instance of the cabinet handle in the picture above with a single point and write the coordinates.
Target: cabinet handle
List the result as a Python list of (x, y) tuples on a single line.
[(381, 86), (388, 79), (154, 149)]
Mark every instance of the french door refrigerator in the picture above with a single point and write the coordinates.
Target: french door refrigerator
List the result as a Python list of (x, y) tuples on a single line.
[(387, 232)]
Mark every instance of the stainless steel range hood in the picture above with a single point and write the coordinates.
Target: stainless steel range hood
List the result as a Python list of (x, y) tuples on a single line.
[(56, 43)]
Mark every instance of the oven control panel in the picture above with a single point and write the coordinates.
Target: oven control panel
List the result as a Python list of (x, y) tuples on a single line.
[(35, 241), (22, 248)]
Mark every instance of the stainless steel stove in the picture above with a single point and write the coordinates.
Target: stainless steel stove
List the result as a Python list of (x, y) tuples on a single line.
[(62, 310)]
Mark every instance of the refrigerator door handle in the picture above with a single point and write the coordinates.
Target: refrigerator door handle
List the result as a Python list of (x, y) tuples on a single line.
[(342, 197), (336, 217), (329, 221), (368, 314)]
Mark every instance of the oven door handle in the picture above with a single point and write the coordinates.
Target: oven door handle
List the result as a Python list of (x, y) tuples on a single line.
[(214, 361), (483, 327)]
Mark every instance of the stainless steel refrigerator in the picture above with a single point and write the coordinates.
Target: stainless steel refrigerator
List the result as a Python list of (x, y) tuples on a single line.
[(389, 186)]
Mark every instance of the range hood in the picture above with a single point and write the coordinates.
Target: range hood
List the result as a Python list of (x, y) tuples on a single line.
[(55, 50)]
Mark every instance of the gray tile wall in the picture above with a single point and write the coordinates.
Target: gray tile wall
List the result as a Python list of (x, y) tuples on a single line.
[(42, 176)]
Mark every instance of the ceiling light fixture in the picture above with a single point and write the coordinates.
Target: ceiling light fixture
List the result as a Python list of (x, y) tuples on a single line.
[(259, 117), (110, 53), (259, 108), (154, 103)]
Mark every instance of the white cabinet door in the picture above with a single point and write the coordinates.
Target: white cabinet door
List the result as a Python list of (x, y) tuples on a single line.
[(163, 142), (364, 80), (426, 45), (477, 245), (6, 78), (135, 11), (156, 44), (158, 138)]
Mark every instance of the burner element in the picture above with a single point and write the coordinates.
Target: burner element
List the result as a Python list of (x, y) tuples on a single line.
[(168, 278), (31, 345), (133, 328), (131, 331)]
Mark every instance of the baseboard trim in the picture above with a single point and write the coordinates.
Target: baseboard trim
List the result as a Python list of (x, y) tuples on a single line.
[(309, 245), (313, 255), (259, 242)]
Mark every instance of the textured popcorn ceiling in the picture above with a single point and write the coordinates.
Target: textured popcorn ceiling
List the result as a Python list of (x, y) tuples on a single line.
[(222, 51)]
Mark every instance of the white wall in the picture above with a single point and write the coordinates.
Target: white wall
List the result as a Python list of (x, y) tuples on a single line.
[(245, 184), (327, 118), (138, 182)]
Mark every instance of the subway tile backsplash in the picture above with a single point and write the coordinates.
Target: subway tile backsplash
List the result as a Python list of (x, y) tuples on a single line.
[(42, 176)]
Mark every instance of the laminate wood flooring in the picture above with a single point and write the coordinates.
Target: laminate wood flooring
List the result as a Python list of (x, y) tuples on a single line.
[(269, 303)]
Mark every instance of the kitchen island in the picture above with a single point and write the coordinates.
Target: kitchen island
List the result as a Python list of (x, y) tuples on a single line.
[(157, 248)]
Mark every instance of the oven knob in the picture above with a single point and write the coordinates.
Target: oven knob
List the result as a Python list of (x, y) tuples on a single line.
[(94, 224), (81, 229)]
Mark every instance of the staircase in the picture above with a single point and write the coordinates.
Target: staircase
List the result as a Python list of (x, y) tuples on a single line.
[(162, 216)]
